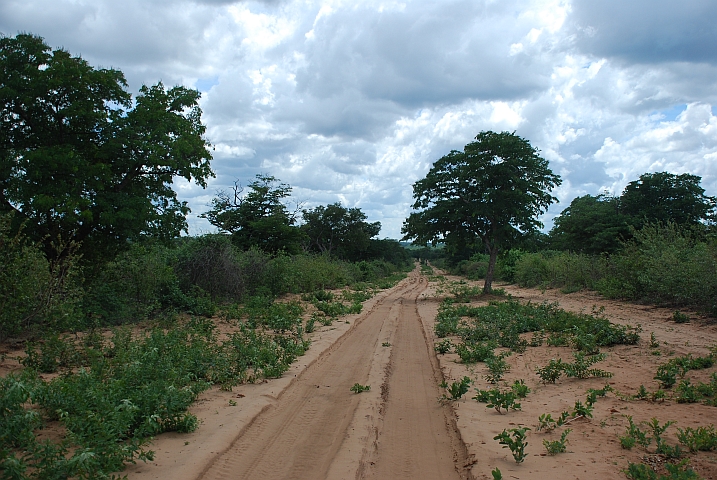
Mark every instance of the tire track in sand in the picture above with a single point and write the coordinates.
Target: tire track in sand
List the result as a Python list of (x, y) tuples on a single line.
[(300, 435)]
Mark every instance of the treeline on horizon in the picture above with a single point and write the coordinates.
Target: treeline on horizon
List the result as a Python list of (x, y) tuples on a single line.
[(261, 251), (90, 226), (656, 242)]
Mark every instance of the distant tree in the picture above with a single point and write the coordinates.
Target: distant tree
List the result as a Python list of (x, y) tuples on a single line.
[(666, 197), (339, 231), (591, 224), (257, 218), (80, 160), (492, 192)]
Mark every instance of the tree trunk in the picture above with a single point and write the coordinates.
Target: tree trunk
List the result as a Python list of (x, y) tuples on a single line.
[(488, 286)]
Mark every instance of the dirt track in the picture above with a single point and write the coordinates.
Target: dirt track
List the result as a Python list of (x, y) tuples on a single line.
[(308, 424), (317, 428)]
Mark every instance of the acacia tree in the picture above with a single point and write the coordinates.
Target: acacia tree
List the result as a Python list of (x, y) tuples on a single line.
[(80, 160), (490, 193)]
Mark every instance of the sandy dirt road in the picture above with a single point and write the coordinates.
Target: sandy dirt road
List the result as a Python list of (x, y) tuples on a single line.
[(316, 428)]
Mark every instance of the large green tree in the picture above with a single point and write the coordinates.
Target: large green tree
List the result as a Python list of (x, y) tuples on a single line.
[(666, 197), (83, 161), (591, 224), (491, 193), (340, 231), (258, 217)]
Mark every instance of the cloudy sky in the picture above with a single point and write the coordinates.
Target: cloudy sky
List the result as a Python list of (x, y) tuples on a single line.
[(352, 101)]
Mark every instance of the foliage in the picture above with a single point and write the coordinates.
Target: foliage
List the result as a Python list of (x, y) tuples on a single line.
[(497, 366), (358, 388), (667, 372), (516, 444), (35, 294), (557, 446), (698, 439), (520, 389), (666, 197), (579, 367), (552, 371), (444, 346), (84, 162), (640, 471), (493, 191), (457, 389), (257, 218), (547, 423), (591, 225), (498, 399), (340, 231)]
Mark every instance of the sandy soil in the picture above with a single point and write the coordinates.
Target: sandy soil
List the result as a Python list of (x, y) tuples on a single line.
[(309, 425), (594, 450)]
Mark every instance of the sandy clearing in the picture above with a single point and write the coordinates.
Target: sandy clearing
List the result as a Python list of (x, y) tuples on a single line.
[(594, 451)]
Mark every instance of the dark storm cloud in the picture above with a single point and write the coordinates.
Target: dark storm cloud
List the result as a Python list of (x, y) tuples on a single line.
[(652, 31)]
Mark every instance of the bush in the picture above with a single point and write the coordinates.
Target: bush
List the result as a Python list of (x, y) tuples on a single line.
[(35, 294)]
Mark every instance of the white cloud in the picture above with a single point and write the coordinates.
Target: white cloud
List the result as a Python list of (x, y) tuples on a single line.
[(352, 101)]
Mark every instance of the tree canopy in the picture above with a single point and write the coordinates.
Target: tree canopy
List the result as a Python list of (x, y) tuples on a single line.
[(81, 160), (666, 197), (336, 230), (257, 218), (591, 225), (491, 193), (598, 224)]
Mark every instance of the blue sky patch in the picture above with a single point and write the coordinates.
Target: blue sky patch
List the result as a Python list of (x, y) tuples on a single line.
[(670, 114), (205, 84)]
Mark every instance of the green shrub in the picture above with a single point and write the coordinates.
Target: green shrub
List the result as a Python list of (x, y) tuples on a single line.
[(35, 294)]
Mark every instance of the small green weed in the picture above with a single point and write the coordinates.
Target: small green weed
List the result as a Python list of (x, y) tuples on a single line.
[(515, 440), (444, 346), (497, 367), (520, 389), (557, 446), (679, 317), (457, 389), (358, 388)]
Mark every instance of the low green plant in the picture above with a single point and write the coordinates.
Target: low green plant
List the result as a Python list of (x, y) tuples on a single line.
[(310, 324), (515, 440), (547, 423), (552, 371), (698, 439), (386, 344), (497, 475), (642, 393), (579, 368), (444, 346), (505, 400), (557, 446), (358, 388), (497, 367), (520, 389), (475, 352), (653, 341), (686, 392), (580, 410), (679, 317), (457, 389), (680, 471)]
